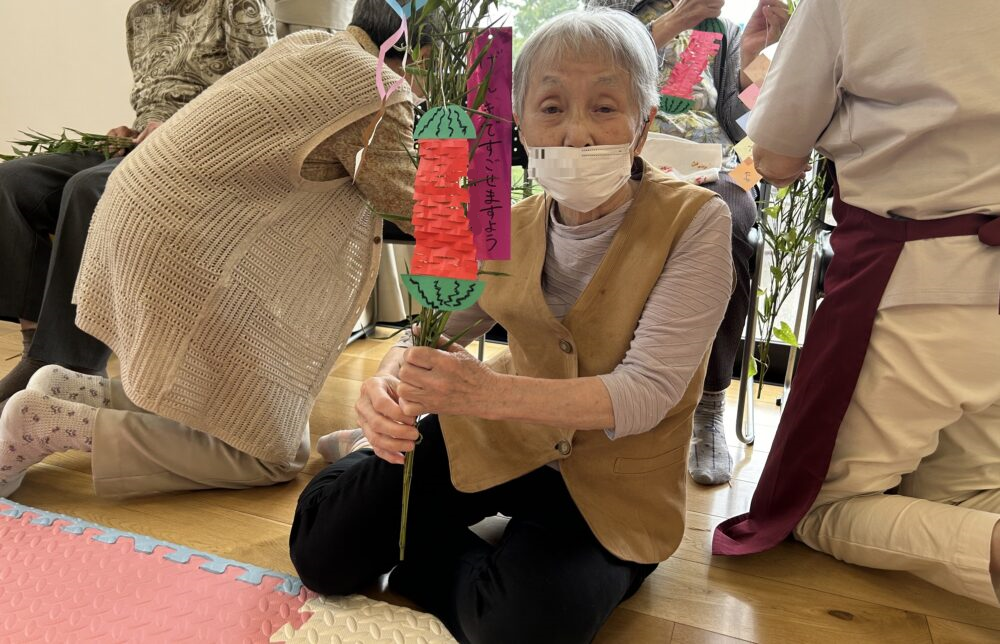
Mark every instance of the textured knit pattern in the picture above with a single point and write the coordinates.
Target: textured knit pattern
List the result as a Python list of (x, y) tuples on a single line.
[(225, 282), (681, 315), (63, 384), (33, 426), (179, 48)]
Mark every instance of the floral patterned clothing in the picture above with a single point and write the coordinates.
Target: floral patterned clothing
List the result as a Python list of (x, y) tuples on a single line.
[(712, 119), (177, 48)]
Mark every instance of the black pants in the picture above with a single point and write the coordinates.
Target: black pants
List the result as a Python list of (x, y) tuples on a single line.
[(41, 196), (547, 580), (727, 340)]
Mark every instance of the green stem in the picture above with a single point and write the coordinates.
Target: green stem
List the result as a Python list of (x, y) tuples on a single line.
[(407, 478)]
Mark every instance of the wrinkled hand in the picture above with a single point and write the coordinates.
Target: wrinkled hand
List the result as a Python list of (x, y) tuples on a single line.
[(149, 129), (121, 132), (686, 14), (445, 382), (390, 431), (764, 28)]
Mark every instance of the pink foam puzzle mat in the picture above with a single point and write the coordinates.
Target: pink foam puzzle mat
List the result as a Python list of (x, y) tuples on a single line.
[(63, 579)]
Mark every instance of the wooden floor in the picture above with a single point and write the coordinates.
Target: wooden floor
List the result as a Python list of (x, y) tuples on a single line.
[(788, 595)]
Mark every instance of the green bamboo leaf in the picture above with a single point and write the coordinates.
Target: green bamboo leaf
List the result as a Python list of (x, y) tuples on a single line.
[(786, 335)]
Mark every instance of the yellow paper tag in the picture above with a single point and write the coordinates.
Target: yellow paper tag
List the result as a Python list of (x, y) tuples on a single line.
[(744, 149)]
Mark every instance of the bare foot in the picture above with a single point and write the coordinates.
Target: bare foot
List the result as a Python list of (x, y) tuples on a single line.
[(336, 445)]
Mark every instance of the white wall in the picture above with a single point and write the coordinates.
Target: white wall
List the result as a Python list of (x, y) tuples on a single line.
[(63, 63), (739, 11)]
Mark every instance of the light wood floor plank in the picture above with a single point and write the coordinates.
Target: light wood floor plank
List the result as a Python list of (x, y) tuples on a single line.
[(759, 610), (947, 632), (626, 626), (684, 634)]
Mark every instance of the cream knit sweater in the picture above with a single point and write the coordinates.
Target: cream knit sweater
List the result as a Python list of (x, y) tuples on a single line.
[(226, 282)]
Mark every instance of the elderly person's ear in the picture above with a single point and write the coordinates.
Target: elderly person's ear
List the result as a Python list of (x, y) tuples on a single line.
[(644, 134)]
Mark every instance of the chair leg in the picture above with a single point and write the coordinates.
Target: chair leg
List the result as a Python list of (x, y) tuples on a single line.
[(745, 426), (482, 347)]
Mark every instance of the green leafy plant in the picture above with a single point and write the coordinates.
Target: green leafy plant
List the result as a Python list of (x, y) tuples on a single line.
[(789, 224), (38, 143)]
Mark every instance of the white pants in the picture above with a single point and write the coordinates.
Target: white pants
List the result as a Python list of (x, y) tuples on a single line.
[(925, 416)]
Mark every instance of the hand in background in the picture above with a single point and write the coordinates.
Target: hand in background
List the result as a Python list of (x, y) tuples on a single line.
[(120, 132), (149, 129), (688, 13), (764, 28), (685, 15)]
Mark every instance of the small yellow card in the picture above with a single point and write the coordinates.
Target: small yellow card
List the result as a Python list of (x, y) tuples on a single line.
[(744, 149)]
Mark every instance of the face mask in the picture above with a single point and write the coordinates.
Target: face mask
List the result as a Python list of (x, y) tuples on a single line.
[(581, 178)]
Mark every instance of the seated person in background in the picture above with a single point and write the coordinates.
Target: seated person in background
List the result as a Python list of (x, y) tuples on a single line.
[(176, 50), (712, 119), (226, 264), (297, 15), (618, 281), (899, 385)]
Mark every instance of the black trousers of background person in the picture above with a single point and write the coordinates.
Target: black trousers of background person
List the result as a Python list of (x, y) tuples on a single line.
[(52, 194), (719, 373), (548, 580)]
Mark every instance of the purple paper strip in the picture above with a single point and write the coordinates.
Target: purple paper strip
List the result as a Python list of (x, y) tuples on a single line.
[(489, 171)]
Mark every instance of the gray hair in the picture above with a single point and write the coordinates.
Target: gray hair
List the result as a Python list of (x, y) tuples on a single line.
[(380, 22), (607, 34)]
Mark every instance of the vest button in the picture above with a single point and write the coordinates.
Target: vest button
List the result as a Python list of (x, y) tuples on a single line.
[(564, 447), (565, 346), (377, 240)]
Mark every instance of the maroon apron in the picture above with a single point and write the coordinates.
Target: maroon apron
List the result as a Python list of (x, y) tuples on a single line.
[(866, 248)]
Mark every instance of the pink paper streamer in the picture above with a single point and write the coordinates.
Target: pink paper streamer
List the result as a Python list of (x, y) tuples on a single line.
[(693, 62), (489, 171), (382, 51)]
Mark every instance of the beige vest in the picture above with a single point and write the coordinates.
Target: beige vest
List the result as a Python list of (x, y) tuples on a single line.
[(225, 282), (631, 491)]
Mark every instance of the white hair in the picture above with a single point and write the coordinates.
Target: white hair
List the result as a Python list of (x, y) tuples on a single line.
[(602, 34)]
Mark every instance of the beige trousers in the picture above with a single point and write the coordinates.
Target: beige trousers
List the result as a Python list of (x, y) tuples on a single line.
[(925, 416), (137, 453)]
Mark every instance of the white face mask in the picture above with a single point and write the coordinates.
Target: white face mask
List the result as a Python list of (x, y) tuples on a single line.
[(581, 178)]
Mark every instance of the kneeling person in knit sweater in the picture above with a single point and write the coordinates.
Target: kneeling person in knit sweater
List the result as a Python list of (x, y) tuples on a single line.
[(618, 281), (175, 50), (227, 262)]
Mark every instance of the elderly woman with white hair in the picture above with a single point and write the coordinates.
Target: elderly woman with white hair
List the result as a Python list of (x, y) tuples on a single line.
[(618, 281)]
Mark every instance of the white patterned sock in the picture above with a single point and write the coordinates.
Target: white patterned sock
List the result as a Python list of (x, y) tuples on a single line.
[(33, 426), (60, 382), (709, 461)]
